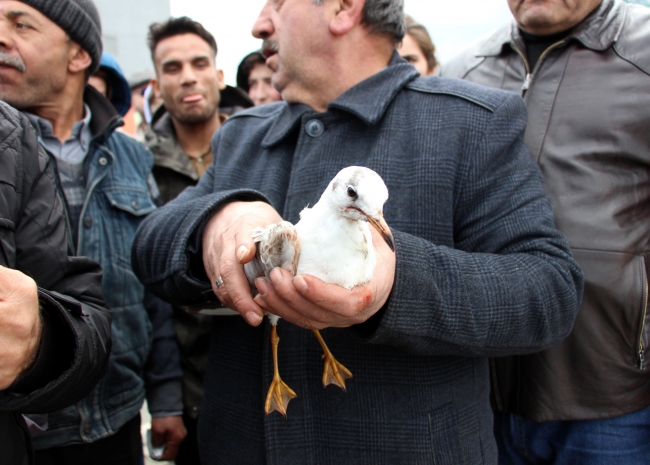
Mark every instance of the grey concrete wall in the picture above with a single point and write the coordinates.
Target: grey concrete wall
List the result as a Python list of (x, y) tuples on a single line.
[(125, 24)]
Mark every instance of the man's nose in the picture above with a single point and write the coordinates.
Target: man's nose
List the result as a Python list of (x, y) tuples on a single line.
[(5, 37), (263, 26), (188, 76)]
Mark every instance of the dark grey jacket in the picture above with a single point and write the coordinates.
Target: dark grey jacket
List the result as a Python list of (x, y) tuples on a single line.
[(481, 271), (174, 172), (75, 345), (589, 130)]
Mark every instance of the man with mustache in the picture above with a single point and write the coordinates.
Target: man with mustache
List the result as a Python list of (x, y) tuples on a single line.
[(196, 100), (583, 69), (49, 50), (478, 270)]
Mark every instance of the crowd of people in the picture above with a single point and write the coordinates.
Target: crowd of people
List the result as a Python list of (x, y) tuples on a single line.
[(507, 324)]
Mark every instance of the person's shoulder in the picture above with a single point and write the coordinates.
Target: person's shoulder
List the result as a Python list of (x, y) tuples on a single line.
[(463, 92), (12, 125), (10, 114), (268, 111), (634, 37), (475, 53), (129, 151), (254, 122), (127, 142)]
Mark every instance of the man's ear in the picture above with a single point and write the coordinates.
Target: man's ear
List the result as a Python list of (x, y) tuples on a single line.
[(347, 15), (220, 79), (155, 85), (79, 59)]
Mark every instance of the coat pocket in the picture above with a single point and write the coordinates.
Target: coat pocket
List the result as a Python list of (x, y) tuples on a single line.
[(135, 202), (445, 436)]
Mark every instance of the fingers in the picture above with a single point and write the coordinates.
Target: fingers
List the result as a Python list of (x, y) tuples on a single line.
[(321, 294), (169, 431), (157, 436), (308, 302), (227, 245), (172, 444), (235, 292)]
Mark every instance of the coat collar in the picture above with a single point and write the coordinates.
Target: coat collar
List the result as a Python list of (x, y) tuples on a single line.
[(368, 100), (598, 31)]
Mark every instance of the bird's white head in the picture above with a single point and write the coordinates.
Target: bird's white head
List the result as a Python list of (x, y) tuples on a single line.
[(359, 194)]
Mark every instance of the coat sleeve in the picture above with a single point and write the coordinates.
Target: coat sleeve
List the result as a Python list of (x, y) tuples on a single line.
[(166, 250), (74, 350), (162, 371), (509, 285)]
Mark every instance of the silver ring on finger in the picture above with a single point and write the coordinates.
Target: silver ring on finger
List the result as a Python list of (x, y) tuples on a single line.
[(219, 282)]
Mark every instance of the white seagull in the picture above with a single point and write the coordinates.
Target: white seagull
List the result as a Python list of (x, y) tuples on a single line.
[(332, 241)]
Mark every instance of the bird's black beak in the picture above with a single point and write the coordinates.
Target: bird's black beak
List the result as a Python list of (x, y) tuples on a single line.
[(380, 225)]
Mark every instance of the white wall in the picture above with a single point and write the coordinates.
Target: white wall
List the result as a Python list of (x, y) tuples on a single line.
[(125, 24)]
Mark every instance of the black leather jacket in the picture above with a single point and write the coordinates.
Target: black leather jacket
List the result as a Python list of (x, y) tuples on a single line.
[(76, 343), (588, 128)]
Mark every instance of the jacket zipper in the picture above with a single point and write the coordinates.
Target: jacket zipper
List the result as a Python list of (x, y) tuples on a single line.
[(643, 314), (529, 73)]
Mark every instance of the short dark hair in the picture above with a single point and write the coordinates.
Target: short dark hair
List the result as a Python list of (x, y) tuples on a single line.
[(246, 66), (177, 26)]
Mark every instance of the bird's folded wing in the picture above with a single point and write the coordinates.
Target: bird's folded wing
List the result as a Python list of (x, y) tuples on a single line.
[(277, 246)]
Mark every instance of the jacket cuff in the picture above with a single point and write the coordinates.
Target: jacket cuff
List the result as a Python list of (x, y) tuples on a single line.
[(165, 399), (55, 353), (191, 279)]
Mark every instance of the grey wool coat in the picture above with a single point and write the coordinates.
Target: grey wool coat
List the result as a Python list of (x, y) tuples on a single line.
[(481, 271)]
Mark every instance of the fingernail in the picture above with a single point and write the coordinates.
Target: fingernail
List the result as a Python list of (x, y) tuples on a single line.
[(259, 300), (262, 286), (276, 276), (253, 318), (241, 252), (300, 284)]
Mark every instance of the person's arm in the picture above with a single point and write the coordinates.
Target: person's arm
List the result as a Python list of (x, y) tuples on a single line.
[(167, 248), (74, 346), (509, 286), (162, 377)]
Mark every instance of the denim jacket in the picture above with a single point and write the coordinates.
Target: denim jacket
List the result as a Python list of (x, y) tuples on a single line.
[(117, 170)]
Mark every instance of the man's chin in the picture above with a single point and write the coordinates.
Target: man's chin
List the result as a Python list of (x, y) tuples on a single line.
[(191, 118), (11, 98), (537, 18)]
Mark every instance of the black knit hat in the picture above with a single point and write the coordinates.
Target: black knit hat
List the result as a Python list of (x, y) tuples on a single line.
[(79, 19)]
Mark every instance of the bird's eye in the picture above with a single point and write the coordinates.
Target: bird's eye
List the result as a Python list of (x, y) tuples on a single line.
[(352, 192)]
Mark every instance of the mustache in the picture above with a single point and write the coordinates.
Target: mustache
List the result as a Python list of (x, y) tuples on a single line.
[(13, 61), (269, 47)]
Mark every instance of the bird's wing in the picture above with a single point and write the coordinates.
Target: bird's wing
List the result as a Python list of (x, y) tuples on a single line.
[(277, 246)]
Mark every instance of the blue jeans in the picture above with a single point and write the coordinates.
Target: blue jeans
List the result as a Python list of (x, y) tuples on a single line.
[(623, 440)]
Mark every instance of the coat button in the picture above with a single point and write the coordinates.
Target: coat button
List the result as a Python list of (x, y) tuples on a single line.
[(135, 205), (88, 221), (103, 161), (88, 428), (315, 128)]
